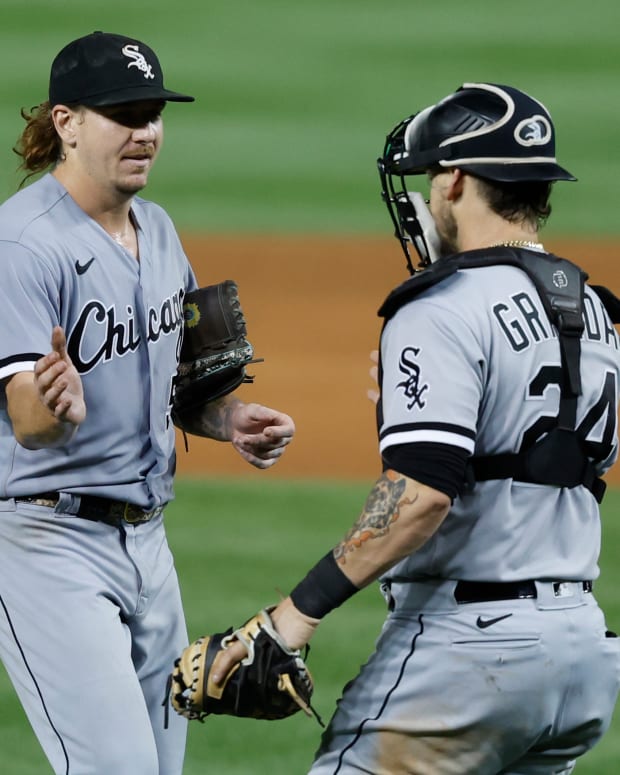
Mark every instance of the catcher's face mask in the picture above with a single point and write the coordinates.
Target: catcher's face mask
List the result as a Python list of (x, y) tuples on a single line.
[(413, 222)]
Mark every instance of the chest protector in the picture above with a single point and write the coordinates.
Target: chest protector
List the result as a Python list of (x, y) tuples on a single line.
[(558, 457)]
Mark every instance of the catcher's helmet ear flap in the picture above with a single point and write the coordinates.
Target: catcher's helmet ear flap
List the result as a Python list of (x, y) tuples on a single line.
[(493, 131)]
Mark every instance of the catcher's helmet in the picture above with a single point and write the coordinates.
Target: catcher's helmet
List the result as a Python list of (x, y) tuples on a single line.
[(495, 132), (491, 131)]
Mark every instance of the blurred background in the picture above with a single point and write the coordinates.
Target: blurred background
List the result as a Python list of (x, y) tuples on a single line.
[(270, 177), (293, 100)]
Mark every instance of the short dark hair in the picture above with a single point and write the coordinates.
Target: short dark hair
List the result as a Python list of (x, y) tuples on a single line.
[(523, 201)]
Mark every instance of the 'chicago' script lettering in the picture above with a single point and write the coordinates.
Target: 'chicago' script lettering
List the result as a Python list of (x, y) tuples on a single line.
[(108, 336)]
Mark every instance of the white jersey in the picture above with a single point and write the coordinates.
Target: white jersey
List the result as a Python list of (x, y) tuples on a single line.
[(123, 320), (474, 362)]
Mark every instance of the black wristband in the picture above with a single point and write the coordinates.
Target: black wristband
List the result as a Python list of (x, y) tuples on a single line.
[(324, 588)]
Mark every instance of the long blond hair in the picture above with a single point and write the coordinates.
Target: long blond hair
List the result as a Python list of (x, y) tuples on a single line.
[(39, 146)]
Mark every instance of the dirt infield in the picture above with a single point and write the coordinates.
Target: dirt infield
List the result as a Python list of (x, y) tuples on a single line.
[(310, 304)]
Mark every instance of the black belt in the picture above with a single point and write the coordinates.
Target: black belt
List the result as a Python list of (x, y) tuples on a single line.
[(483, 591), (97, 509)]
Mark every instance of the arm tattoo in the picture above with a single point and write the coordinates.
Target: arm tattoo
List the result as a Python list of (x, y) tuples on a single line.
[(213, 420), (381, 510)]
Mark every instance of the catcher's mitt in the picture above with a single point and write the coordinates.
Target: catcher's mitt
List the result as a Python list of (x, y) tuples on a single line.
[(272, 682), (214, 351)]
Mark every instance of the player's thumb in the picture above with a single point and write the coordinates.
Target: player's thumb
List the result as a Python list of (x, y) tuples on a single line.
[(59, 342)]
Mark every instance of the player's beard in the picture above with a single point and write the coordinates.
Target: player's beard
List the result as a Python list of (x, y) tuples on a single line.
[(447, 229), (445, 222), (128, 189), (129, 183)]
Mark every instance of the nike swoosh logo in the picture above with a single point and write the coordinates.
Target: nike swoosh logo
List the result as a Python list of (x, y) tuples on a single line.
[(81, 268), (484, 623)]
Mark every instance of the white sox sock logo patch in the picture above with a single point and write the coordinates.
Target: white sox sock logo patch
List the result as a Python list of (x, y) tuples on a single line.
[(139, 61), (411, 386)]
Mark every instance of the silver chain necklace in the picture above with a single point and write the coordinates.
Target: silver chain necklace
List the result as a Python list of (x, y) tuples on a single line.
[(519, 243)]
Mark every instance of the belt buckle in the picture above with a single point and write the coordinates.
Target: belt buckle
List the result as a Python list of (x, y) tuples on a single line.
[(127, 512), (134, 515)]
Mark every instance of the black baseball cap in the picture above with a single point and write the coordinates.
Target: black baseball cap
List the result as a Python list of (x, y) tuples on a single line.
[(107, 69)]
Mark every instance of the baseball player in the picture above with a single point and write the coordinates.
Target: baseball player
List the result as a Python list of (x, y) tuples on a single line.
[(498, 393), (93, 278)]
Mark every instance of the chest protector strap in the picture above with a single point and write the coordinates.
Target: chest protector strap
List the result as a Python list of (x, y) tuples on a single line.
[(558, 457)]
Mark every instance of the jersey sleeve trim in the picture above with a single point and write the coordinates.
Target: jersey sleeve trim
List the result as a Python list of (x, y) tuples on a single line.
[(17, 363), (438, 433)]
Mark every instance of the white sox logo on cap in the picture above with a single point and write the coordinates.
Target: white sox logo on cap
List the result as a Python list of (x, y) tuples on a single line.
[(139, 61), (108, 69), (535, 130)]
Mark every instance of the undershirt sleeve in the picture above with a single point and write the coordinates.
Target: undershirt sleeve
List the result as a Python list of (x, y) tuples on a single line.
[(441, 466)]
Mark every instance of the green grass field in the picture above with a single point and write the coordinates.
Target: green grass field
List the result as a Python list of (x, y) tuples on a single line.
[(294, 99), (238, 542)]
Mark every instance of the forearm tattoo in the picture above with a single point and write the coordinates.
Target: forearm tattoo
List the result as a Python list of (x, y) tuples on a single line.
[(381, 510), (214, 420)]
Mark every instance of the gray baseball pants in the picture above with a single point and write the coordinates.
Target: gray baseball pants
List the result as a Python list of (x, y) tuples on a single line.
[(90, 624), (511, 687)]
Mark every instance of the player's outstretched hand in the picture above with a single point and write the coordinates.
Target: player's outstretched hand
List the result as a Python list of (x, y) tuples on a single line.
[(260, 434), (58, 383)]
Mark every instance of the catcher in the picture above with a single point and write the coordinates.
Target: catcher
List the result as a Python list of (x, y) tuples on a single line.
[(498, 379)]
